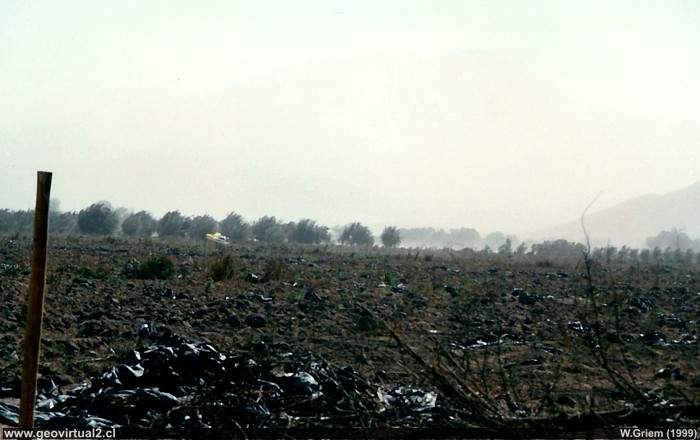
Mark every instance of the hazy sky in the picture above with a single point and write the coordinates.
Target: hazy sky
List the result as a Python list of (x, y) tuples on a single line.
[(499, 115)]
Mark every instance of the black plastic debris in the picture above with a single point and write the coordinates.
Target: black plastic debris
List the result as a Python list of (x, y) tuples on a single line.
[(618, 338), (670, 372), (255, 321), (311, 295), (145, 330), (642, 304), (452, 290), (652, 336), (9, 414), (252, 278), (685, 339), (576, 326), (158, 292), (367, 323), (524, 298), (399, 288), (193, 389), (408, 398), (670, 321), (566, 401), (259, 297), (490, 339), (11, 388)]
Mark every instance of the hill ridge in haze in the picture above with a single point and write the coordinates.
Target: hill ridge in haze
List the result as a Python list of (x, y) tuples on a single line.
[(631, 222)]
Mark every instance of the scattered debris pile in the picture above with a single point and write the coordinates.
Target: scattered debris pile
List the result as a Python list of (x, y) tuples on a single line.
[(189, 388)]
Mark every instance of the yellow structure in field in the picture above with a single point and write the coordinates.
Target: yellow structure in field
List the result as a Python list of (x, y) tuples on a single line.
[(218, 238)]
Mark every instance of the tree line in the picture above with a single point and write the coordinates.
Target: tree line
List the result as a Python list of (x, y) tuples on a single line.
[(102, 219)]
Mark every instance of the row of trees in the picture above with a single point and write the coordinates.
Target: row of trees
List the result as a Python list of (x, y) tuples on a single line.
[(566, 249), (673, 239), (101, 219), (459, 238)]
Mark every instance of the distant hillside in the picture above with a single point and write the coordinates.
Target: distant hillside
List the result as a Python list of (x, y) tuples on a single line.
[(631, 222)]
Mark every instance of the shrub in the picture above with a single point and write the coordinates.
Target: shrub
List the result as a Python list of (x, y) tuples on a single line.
[(98, 219), (156, 268), (10, 270), (222, 269), (89, 272)]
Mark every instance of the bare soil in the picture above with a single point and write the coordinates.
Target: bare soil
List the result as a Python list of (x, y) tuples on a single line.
[(506, 339)]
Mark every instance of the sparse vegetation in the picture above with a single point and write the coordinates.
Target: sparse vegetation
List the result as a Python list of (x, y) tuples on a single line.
[(155, 268), (503, 339), (222, 269)]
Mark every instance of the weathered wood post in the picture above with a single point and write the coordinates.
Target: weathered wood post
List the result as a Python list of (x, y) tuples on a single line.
[(32, 335)]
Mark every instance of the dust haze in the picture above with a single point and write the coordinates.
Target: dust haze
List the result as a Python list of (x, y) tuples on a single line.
[(498, 116)]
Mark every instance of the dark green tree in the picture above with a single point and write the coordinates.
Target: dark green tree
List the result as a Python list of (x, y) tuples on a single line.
[(235, 228), (270, 230), (172, 224), (559, 249), (202, 225), (98, 219), (465, 238), (674, 239), (390, 236), (17, 221), (506, 248), (63, 222), (356, 234), (494, 240), (307, 231), (645, 255), (140, 224)]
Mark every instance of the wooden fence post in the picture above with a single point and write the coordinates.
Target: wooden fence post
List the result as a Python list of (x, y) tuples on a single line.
[(32, 335)]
